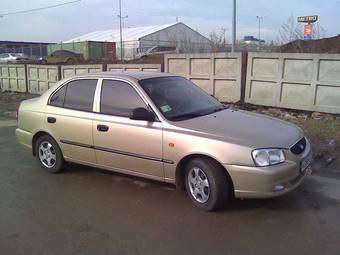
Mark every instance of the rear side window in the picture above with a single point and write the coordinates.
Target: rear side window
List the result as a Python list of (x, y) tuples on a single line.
[(80, 95), (77, 95), (58, 98), (119, 98)]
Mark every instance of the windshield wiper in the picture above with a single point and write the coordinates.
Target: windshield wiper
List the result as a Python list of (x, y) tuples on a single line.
[(185, 116), (192, 115)]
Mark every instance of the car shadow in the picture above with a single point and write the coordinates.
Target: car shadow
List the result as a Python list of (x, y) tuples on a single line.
[(72, 168), (308, 196)]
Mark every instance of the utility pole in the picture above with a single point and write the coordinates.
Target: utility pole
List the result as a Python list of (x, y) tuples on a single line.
[(234, 27), (123, 18), (120, 30), (259, 19)]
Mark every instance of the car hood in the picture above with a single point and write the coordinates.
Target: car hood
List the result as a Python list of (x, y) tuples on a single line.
[(245, 128)]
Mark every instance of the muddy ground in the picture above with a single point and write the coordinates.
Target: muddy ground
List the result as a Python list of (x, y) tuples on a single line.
[(91, 211)]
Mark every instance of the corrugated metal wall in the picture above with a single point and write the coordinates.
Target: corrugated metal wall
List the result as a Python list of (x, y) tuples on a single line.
[(90, 50)]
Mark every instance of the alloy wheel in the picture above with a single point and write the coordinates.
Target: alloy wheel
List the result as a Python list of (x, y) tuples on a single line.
[(198, 185)]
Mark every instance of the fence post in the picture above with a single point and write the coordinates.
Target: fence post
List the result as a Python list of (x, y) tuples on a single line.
[(26, 78), (244, 60)]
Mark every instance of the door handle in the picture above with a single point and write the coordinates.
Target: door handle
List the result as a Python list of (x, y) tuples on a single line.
[(51, 120), (102, 128)]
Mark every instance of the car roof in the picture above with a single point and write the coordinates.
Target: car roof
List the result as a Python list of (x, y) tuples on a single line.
[(66, 51), (136, 75)]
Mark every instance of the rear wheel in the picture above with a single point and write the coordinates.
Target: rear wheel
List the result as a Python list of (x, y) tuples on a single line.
[(49, 154), (207, 184)]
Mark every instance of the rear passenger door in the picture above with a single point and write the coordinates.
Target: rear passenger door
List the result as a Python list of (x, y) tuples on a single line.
[(69, 118), (122, 144)]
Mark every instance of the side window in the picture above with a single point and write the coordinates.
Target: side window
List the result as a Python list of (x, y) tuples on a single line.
[(80, 95), (58, 98), (119, 98)]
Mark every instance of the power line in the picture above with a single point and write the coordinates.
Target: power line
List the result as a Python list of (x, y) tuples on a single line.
[(38, 9)]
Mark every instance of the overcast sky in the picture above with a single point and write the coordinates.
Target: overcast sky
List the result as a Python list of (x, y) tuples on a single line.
[(65, 22)]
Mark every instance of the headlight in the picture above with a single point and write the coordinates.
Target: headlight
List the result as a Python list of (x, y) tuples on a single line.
[(268, 157)]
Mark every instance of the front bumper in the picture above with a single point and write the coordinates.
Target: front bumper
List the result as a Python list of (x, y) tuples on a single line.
[(266, 182)]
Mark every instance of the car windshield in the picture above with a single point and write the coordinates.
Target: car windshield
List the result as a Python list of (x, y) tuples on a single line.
[(179, 99)]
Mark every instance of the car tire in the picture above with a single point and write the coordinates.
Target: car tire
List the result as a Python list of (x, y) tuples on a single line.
[(207, 184), (49, 154)]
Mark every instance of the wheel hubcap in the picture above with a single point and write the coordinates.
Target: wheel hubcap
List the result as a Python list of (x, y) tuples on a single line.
[(47, 154), (198, 185)]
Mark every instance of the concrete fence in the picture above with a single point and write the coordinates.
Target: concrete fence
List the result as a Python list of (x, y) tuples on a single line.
[(134, 67), (297, 81), (36, 79), (41, 77), (218, 74), (71, 70), (13, 77)]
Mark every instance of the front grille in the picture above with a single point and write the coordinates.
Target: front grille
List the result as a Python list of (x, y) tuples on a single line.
[(299, 147)]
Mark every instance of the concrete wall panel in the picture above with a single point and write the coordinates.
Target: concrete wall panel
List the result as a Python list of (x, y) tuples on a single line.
[(226, 67), (198, 66), (293, 93), (134, 67), (298, 69), (177, 66), (328, 96), (297, 81), (263, 91), (219, 74), (13, 77), (203, 84), (265, 67), (41, 77), (329, 70), (71, 70)]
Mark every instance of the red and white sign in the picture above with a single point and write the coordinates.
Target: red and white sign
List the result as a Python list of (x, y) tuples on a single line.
[(308, 29)]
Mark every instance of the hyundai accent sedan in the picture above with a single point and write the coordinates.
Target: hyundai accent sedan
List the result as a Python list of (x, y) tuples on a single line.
[(163, 127)]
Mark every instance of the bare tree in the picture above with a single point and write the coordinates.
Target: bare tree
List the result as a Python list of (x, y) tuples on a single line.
[(318, 31), (292, 30), (218, 42)]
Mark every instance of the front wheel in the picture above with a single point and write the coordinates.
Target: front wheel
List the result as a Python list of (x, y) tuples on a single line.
[(207, 184), (49, 154)]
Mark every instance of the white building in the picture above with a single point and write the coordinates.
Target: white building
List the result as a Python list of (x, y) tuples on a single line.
[(139, 39)]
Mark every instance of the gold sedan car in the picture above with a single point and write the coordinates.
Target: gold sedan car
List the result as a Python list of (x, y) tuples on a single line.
[(163, 127)]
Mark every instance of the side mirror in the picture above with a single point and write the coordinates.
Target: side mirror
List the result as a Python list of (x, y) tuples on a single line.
[(142, 114)]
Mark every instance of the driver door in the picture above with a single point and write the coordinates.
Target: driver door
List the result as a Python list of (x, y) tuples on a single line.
[(122, 144)]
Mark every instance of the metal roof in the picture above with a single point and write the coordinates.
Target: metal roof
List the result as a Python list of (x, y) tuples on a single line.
[(128, 34), (21, 42)]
